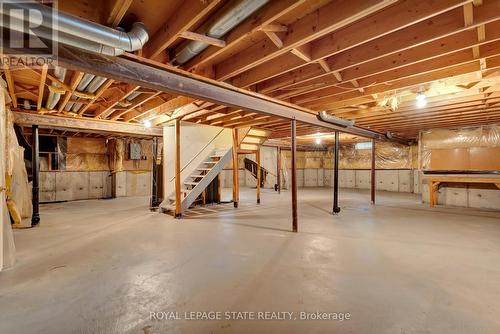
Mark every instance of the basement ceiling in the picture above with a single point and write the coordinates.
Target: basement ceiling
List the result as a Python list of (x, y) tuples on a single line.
[(362, 60)]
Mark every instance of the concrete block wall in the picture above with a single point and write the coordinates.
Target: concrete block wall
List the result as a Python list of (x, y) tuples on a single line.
[(389, 180), (71, 186)]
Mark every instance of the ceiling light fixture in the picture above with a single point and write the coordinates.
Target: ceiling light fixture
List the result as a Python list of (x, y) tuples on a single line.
[(147, 123), (421, 100)]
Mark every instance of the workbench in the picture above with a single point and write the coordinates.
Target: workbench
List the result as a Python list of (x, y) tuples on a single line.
[(435, 180)]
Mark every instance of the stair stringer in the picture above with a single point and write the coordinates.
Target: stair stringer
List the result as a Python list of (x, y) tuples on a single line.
[(206, 180)]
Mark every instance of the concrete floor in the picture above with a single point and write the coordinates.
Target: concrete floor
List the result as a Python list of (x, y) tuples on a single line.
[(397, 267)]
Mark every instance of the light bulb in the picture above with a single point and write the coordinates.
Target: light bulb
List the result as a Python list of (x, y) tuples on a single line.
[(421, 100), (147, 123), (318, 140)]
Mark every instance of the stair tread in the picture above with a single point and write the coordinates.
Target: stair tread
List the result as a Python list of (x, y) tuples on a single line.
[(210, 162), (192, 183), (203, 168), (198, 175), (216, 156)]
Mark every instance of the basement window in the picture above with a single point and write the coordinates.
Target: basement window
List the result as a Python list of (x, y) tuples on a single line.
[(366, 145)]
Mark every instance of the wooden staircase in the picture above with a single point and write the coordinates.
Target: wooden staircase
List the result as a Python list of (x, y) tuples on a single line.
[(198, 181), (252, 138)]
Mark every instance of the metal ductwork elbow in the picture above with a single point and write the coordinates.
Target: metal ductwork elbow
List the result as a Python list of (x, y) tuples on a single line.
[(326, 117), (73, 30)]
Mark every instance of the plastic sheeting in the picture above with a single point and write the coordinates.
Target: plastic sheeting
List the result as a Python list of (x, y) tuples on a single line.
[(388, 156), (471, 148), (7, 247)]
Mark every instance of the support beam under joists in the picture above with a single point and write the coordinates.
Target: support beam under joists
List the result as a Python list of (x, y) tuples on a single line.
[(176, 81), (278, 169), (257, 157), (236, 188), (203, 38), (35, 168), (154, 172), (85, 124), (178, 213), (295, 219), (373, 180), (336, 208)]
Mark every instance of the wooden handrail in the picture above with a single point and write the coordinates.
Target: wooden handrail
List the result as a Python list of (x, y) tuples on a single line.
[(199, 152)]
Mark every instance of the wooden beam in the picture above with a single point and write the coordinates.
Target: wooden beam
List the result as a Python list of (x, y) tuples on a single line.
[(96, 96), (117, 12), (328, 18), (303, 52), (75, 80), (203, 38), (274, 38), (84, 124), (265, 16), (324, 65), (180, 82), (105, 109), (274, 28), (468, 14), (178, 212), (41, 87), (185, 18), (408, 21), (236, 190)]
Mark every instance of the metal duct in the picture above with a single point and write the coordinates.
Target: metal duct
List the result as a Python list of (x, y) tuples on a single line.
[(92, 87), (74, 30), (81, 87), (326, 117), (59, 73), (229, 17)]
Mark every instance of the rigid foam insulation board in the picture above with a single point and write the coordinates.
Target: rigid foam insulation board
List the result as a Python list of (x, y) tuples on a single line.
[(72, 186)]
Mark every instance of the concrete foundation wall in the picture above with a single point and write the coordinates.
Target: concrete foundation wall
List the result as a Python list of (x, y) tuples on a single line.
[(72, 186)]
